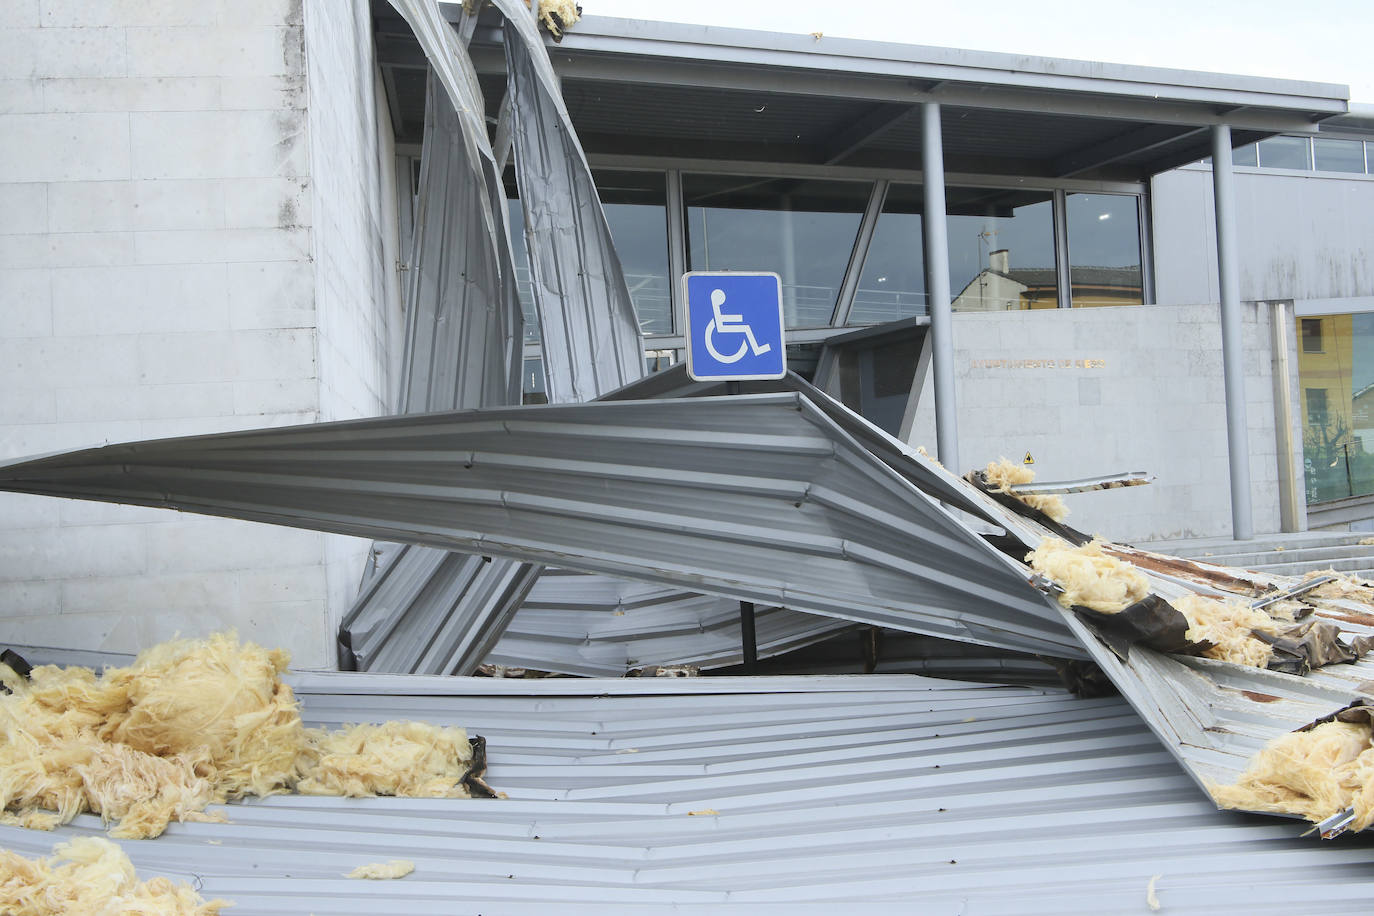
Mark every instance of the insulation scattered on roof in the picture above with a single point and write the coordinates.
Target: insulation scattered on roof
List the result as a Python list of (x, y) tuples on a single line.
[(89, 876), (1229, 626), (1002, 475), (1313, 774), (557, 15), (1348, 587), (188, 724), (382, 871), (1088, 576)]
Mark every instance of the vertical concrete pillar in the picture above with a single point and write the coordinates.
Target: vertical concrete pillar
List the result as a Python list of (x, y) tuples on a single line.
[(1232, 344), (937, 287)]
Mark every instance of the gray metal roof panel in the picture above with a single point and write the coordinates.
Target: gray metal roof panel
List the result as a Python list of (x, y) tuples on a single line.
[(829, 791)]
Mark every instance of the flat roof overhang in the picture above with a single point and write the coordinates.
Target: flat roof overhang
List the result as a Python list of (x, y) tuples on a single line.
[(641, 90)]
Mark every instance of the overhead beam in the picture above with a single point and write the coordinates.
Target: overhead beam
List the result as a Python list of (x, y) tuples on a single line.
[(1132, 142)]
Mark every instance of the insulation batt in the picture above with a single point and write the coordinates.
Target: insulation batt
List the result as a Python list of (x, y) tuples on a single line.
[(1228, 625), (381, 871), (89, 876), (1351, 588), (1002, 475), (1090, 578), (557, 15), (1312, 774), (188, 724)]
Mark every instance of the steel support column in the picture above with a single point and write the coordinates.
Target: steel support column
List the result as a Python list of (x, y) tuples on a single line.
[(937, 286), (1232, 343)]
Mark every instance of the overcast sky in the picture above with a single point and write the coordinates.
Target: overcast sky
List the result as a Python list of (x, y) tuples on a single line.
[(1329, 41)]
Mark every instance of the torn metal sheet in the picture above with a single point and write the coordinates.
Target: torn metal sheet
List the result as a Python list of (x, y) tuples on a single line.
[(586, 317), (747, 795), (598, 626), (761, 498)]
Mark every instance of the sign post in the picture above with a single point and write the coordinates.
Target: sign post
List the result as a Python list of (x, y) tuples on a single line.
[(734, 326)]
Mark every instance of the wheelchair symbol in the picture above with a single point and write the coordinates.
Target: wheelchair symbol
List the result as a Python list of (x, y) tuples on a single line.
[(730, 324)]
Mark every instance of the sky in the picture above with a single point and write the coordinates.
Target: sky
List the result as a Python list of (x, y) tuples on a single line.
[(1325, 41)]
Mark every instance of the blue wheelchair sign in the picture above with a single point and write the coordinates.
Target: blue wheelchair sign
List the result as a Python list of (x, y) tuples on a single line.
[(734, 326)]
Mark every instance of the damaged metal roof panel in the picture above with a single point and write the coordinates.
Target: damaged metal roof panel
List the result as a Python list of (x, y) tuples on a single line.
[(792, 795), (595, 625), (758, 497)]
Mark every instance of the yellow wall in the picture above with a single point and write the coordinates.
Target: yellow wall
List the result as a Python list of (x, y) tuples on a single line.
[(1331, 371)]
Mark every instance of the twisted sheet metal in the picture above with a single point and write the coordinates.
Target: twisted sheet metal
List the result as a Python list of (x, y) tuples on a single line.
[(809, 794), (758, 498), (595, 625)]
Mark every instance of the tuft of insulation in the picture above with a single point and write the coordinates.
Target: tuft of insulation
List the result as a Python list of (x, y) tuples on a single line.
[(557, 15), (1313, 774), (192, 723), (89, 876), (382, 871), (1002, 475), (413, 759), (1089, 576), (1345, 586), (1229, 626)]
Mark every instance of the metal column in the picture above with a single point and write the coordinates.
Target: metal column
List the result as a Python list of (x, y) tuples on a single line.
[(937, 286), (1232, 344)]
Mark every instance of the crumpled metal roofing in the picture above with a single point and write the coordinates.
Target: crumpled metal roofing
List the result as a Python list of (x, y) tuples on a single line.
[(599, 626), (762, 498), (810, 793)]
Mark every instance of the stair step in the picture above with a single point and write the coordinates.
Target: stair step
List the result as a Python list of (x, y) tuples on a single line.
[(1312, 556), (1351, 565)]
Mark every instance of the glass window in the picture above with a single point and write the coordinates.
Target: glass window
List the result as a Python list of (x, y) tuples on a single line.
[(1338, 155), (1285, 153), (1336, 372), (875, 381), (1244, 155), (802, 229), (1001, 249), (635, 205), (893, 283), (1104, 250)]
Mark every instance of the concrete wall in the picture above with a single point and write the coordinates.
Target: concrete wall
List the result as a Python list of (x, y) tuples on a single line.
[(1093, 391), (161, 247), (1300, 235)]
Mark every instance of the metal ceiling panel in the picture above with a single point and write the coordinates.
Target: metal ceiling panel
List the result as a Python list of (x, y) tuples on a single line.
[(784, 795), (761, 498)]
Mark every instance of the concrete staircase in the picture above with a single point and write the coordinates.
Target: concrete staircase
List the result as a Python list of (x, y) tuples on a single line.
[(1281, 554)]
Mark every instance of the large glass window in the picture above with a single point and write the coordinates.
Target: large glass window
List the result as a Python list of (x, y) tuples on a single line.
[(636, 212), (802, 229), (1336, 374), (1285, 153), (1104, 250), (1338, 155), (893, 283), (1001, 249)]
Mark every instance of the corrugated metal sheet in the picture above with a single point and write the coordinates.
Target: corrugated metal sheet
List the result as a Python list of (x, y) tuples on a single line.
[(586, 317), (761, 498), (595, 625), (894, 793)]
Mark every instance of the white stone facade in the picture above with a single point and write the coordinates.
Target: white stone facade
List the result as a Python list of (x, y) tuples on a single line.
[(194, 237)]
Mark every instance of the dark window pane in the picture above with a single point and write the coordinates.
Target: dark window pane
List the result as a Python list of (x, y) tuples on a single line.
[(1311, 335), (893, 283), (635, 210), (1001, 249), (1338, 155), (803, 230), (1244, 155), (532, 382), (1285, 153), (1104, 250), (875, 381)]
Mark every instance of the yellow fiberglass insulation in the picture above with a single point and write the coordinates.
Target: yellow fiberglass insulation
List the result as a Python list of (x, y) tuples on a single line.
[(1228, 625), (1002, 475), (1351, 588), (557, 15), (188, 724), (398, 758), (1089, 577), (382, 871), (89, 876), (1312, 774)]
